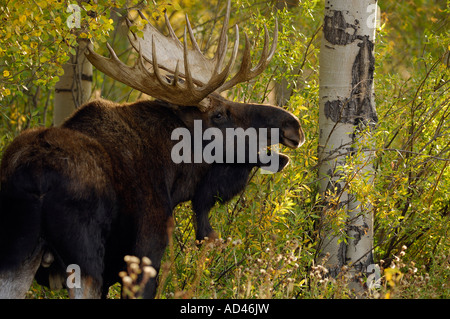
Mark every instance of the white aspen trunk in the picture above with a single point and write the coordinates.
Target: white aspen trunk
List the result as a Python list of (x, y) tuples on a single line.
[(346, 106), (74, 87)]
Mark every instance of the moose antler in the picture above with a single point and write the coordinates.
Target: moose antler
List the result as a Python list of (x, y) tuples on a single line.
[(246, 72), (201, 75)]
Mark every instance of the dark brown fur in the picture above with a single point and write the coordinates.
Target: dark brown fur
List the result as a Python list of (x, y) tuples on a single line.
[(104, 185)]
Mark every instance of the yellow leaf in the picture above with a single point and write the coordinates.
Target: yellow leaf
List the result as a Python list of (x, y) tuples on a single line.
[(42, 4), (155, 15), (23, 18), (6, 92)]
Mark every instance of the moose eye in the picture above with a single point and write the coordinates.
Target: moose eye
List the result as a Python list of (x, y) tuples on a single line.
[(218, 117)]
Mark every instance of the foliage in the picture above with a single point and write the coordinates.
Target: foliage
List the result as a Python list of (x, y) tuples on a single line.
[(269, 238), (37, 39), (411, 187)]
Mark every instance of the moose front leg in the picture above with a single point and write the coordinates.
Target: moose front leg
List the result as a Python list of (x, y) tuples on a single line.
[(201, 208)]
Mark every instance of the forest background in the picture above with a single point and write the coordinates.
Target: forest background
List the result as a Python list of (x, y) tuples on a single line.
[(269, 232)]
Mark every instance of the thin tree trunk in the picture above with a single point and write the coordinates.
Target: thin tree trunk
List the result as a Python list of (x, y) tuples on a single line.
[(74, 87), (346, 108), (282, 90)]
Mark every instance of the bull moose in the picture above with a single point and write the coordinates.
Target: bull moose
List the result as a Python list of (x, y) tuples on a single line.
[(104, 185)]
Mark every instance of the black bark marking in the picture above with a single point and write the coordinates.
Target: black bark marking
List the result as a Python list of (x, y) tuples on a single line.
[(359, 107), (359, 232), (362, 82), (342, 111), (337, 31)]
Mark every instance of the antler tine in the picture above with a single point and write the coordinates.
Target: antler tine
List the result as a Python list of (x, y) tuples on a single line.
[(222, 46), (129, 24), (191, 35), (246, 72), (154, 62), (264, 53), (112, 52), (226, 71), (169, 27), (176, 75), (223, 39), (187, 72), (159, 77), (143, 16), (274, 42)]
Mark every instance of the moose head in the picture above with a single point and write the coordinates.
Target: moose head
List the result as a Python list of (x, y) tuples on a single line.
[(192, 88)]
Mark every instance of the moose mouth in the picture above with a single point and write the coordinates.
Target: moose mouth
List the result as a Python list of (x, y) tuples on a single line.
[(291, 143), (291, 139)]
